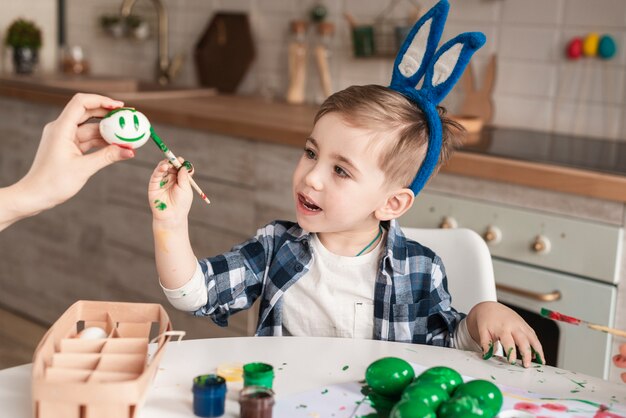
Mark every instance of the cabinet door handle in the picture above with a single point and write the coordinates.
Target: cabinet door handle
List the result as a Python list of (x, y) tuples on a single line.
[(542, 297)]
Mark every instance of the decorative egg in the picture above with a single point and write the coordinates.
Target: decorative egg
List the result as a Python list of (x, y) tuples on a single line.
[(411, 409), (125, 127), (429, 393), (389, 376), (488, 395), (382, 404), (462, 407), (447, 378), (574, 48), (606, 47), (590, 44), (92, 333)]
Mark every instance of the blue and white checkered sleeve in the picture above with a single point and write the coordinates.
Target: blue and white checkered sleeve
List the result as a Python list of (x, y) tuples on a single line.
[(234, 280), (443, 319)]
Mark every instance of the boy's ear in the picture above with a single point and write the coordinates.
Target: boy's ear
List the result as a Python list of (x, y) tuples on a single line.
[(396, 205)]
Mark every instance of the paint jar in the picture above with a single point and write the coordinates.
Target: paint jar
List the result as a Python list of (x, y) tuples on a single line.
[(209, 395), (258, 374), (363, 40), (256, 402)]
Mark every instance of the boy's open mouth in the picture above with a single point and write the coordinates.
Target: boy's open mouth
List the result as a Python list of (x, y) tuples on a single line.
[(308, 204)]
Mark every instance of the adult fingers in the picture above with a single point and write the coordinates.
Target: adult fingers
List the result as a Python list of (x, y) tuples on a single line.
[(87, 132), (83, 106), (622, 349), (619, 361), (104, 157), (92, 143)]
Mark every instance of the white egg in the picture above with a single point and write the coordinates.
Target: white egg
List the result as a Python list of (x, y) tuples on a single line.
[(125, 127), (92, 333)]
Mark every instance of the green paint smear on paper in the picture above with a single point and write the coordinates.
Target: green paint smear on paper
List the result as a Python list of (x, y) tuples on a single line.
[(344, 368), (301, 406), (325, 391), (489, 352), (581, 384), (160, 205), (493, 377)]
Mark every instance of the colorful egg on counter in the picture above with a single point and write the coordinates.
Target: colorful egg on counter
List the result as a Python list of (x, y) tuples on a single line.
[(590, 44), (382, 404), (389, 376), (462, 407), (488, 395), (574, 49), (411, 409), (446, 378), (125, 127), (429, 393), (607, 47)]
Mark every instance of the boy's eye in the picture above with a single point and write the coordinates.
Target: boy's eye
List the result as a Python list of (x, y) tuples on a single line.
[(310, 154), (341, 172)]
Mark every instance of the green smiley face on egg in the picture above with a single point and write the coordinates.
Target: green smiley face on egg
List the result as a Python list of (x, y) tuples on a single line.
[(125, 127)]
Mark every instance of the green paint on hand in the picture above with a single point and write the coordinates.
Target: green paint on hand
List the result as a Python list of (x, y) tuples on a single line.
[(344, 368), (508, 355), (187, 165), (537, 358), (160, 205), (163, 183), (489, 352)]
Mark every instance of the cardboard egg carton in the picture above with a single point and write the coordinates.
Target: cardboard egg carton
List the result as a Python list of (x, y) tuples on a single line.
[(106, 377)]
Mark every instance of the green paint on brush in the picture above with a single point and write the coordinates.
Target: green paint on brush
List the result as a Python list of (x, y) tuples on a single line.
[(157, 140), (160, 205), (489, 352)]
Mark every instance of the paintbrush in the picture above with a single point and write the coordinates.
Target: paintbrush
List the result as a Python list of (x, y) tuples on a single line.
[(575, 321), (174, 161)]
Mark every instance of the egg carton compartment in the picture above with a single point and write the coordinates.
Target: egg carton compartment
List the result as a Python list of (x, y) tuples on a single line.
[(129, 363), (103, 377), (85, 361)]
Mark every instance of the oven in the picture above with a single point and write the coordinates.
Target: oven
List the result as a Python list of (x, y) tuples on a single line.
[(543, 261)]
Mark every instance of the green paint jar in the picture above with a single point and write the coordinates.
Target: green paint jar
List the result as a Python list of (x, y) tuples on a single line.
[(258, 374)]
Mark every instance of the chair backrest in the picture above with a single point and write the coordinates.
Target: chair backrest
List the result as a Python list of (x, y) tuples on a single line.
[(467, 262)]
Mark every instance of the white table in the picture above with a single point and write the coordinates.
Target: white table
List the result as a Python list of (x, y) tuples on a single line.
[(303, 364)]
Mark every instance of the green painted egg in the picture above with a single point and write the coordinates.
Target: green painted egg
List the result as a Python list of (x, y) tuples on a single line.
[(462, 407), (447, 378), (429, 393), (389, 376), (488, 394), (411, 409), (382, 404)]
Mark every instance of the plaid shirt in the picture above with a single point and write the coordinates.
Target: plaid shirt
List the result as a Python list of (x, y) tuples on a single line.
[(411, 299)]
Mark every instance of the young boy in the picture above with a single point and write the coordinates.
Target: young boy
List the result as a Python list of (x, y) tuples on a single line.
[(344, 269)]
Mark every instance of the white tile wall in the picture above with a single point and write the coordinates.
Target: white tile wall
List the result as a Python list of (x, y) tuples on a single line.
[(535, 88)]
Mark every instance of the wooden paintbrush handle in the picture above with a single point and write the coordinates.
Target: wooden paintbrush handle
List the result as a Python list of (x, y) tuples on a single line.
[(609, 330)]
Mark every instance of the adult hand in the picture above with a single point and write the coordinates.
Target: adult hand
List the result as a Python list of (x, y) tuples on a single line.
[(62, 164), (620, 360)]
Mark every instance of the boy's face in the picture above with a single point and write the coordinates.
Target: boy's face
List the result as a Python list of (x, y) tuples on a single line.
[(338, 184)]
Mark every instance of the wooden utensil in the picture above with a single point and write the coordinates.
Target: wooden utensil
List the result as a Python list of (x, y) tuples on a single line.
[(478, 101), (297, 62)]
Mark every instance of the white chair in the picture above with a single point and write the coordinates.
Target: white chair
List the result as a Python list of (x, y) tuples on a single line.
[(467, 262)]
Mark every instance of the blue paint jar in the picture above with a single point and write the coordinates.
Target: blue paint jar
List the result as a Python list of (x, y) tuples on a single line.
[(209, 395)]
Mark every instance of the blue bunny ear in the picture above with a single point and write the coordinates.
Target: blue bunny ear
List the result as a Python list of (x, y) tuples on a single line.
[(448, 65), (419, 46)]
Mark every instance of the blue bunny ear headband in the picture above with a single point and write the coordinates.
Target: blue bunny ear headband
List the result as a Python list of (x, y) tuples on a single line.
[(441, 69)]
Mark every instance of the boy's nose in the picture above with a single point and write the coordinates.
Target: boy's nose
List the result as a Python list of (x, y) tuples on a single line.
[(313, 179)]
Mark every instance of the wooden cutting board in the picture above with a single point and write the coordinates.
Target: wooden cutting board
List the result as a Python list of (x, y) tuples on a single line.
[(225, 52)]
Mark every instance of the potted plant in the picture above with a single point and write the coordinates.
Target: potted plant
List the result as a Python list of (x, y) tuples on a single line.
[(24, 36)]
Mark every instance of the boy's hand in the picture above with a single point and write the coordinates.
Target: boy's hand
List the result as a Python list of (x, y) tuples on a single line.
[(489, 322), (620, 360), (169, 193)]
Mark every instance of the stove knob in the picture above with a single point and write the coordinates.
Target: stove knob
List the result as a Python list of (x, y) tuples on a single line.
[(492, 235), (448, 222), (541, 245)]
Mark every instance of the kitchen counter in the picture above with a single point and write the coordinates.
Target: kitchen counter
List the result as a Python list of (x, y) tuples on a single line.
[(282, 123)]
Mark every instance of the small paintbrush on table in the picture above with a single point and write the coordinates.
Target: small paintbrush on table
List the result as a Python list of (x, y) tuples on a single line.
[(557, 316)]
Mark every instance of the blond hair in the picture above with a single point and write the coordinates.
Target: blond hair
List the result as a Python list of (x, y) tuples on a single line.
[(400, 122)]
